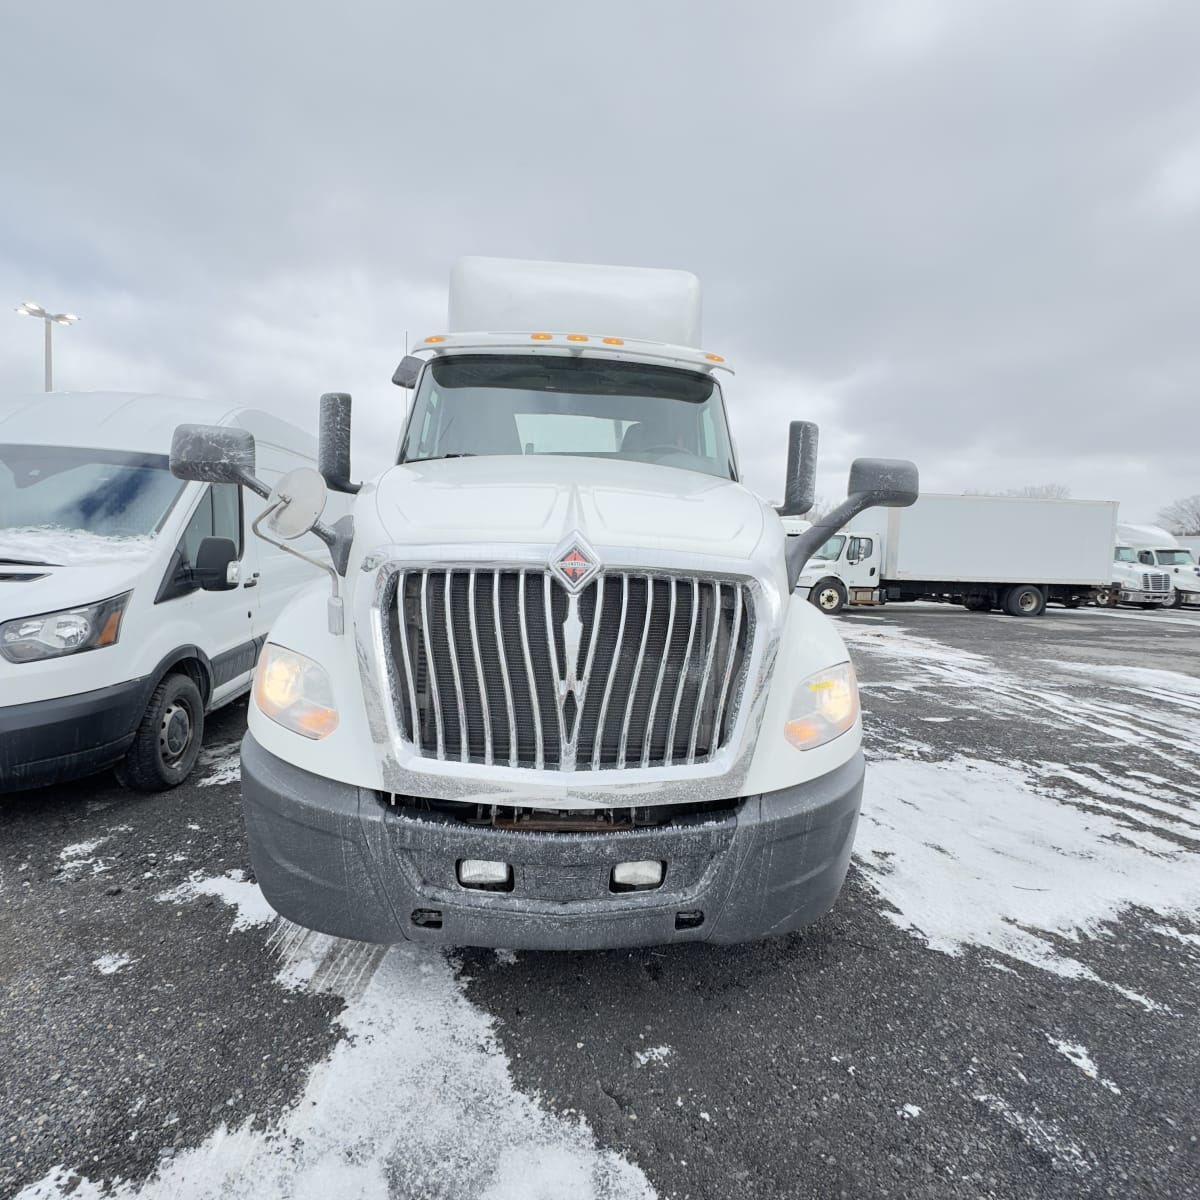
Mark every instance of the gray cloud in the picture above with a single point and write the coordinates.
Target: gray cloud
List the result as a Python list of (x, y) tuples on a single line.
[(966, 234)]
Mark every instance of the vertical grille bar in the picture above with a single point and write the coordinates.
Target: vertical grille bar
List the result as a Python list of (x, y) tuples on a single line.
[(687, 658), (483, 696), (662, 672), (708, 662), (637, 673), (463, 753), (612, 674), (414, 732), (430, 668), (508, 693), (540, 760), (730, 659), (552, 651)]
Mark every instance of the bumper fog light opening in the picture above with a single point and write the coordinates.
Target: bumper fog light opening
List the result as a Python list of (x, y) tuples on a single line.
[(640, 876), (485, 874)]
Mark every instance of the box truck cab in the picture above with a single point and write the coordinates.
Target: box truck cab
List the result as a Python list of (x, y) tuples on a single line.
[(130, 602), (1160, 556), (559, 694)]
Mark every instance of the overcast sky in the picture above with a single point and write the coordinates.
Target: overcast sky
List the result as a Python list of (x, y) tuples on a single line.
[(964, 233)]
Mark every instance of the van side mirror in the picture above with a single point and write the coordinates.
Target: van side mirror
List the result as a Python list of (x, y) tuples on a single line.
[(873, 483), (333, 448), (215, 454), (800, 484), (407, 373), (216, 568)]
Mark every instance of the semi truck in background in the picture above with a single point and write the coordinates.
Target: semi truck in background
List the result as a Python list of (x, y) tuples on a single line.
[(983, 552), (1164, 558), (560, 693), (131, 604)]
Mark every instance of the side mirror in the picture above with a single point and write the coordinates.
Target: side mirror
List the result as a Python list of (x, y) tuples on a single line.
[(407, 373), (874, 483), (214, 454), (295, 504), (216, 568), (799, 489), (333, 447)]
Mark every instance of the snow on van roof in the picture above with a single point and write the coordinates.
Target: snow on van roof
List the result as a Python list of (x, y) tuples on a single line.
[(134, 421)]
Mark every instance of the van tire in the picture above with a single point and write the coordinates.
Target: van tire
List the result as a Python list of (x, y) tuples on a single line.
[(828, 595), (168, 740), (1025, 600)]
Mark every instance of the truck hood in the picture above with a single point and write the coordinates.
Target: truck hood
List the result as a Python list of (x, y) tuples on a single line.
[(542, 499)]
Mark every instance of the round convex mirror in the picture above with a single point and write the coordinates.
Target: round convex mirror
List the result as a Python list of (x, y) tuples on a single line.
[(303, 493)]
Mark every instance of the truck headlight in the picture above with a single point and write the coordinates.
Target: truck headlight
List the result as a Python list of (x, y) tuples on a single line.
[(824, 707), (68, 631), (295, 692)]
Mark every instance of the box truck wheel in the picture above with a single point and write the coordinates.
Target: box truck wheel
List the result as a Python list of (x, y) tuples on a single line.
[(1109, 597), (1024, 600), (168, 739), (828, 595), (1176, 599)]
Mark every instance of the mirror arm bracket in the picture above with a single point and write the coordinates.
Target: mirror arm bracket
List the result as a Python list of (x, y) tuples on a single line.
[(335, 610)]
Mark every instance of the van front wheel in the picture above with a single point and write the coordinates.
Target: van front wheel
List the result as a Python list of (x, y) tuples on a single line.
[(168, 739)]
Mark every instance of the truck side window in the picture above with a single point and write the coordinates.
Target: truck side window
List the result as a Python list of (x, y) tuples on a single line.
[(861, 548), (219, 514), (1146, 558)]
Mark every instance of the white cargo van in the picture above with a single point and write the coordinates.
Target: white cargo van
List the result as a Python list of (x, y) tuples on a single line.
[(130, 603)]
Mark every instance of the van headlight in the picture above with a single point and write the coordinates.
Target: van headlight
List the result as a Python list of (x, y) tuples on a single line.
[(824, 707), (68, 631), (295, 692)]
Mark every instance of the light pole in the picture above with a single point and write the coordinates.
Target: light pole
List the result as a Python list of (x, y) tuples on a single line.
[(29, 309)]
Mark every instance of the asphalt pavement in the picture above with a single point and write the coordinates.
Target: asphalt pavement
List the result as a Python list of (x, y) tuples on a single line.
[(1002, 1004)]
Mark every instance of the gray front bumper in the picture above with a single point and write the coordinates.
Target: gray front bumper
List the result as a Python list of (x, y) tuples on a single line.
[(339, 859)]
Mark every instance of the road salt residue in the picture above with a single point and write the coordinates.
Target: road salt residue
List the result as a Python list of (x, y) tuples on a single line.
[(390, 1113), (973, 853)]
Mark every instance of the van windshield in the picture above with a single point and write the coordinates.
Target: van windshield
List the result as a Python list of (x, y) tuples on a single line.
[(56, 501), (545, 404)]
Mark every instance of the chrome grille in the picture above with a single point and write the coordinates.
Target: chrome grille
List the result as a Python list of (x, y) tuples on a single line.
[(507, 667), (1155, 583)]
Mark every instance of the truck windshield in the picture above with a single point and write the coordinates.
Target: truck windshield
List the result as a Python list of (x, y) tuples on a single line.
[(1174, 558), (831, 549), (545, 404), (55, 498), (1124, 554)]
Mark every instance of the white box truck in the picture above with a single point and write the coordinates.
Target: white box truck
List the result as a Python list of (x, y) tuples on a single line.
[(1163, 554), (560, 694), (982, 552), (130, 603)]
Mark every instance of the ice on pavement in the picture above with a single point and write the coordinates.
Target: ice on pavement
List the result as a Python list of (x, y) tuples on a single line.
[(968, 852), (416, 1100)]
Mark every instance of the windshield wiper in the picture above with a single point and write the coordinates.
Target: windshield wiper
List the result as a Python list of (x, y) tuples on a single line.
[(27, 562), (437, 458)]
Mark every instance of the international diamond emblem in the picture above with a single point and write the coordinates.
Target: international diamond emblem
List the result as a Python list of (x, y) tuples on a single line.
[(575, 564)]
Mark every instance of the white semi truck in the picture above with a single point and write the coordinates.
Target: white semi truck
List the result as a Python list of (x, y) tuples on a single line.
[(1170, 561), (559, 694), (983, 552)]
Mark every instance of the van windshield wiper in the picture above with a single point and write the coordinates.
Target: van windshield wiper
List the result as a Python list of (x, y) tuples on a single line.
[(26, 562), (437, 457)]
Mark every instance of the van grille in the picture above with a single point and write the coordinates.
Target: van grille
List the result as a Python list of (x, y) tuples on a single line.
[(507, 667)]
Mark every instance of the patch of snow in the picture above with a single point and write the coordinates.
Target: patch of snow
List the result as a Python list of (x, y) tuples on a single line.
[(1042, 1135), (73, 547), (233, 889), (507, 958), (652, 1054), (220, 765), (1083, 1060), (110, 964), (81, 849), (910, 1112), (414, 1044), (1135, 677), (1013, 868)]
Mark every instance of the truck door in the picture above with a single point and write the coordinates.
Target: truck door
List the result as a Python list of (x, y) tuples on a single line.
[(861, 564)]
